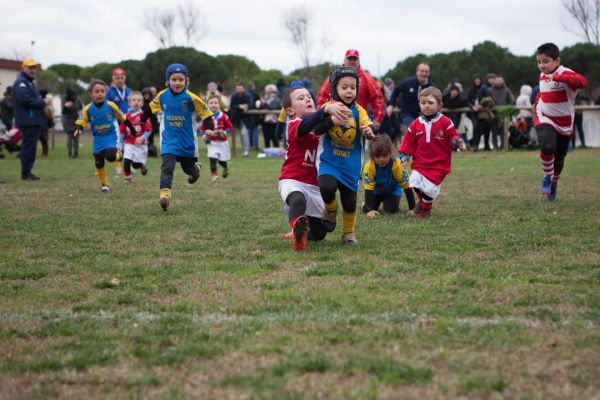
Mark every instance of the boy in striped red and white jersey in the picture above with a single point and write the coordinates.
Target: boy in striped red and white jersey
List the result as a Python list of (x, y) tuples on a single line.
[(554, 113)]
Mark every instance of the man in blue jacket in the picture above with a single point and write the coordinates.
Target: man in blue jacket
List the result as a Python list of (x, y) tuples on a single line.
[(29, 116), (406, 95)]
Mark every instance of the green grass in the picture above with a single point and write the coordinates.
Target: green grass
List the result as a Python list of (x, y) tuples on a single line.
[(107, 296)]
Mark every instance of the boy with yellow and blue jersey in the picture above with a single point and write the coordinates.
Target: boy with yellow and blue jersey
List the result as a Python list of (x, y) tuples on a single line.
[(178, 139), (385, 178), (339, 157), (102, 115)]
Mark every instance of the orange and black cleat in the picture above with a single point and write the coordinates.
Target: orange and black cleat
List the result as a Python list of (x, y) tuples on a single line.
[(300, 231)]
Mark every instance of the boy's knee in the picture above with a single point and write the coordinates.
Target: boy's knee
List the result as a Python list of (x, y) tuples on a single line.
[(110, 155), (548, 148)]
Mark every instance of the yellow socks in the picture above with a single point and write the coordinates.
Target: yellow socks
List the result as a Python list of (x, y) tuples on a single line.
[(332, 207), (101, 172), (165, 192), (349, 222)]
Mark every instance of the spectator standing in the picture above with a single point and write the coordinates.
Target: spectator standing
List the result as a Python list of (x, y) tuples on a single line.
[(71, 107), (272, 101), (118, 93), (48, 122), (406, 95), (578, 119), (502, 96), (29, 117), (241, 101), (474, 94), (254, 119), (369, 92), (7, 108)]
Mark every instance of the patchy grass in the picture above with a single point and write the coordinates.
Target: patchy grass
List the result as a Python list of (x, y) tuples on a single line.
[(107, 296)]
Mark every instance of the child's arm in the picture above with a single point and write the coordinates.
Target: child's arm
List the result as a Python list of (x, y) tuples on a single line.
[(369, 172), (572, 79), (82, 121), (366, 125), (410, 198), (367, 208)]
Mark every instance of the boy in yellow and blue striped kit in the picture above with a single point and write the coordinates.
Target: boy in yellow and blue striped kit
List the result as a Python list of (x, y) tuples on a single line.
[(101, 115), (178, 139)]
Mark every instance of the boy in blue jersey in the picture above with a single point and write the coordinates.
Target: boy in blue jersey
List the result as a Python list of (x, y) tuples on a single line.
[(340, 153), (101, 116), (178, 139), (385, 178)]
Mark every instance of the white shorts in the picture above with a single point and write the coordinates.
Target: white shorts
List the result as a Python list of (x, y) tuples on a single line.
[(138, 153), (219, 150), (418, 181), (314, 202)]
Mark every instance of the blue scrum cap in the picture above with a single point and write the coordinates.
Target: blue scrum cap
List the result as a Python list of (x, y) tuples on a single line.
[(176, 68)]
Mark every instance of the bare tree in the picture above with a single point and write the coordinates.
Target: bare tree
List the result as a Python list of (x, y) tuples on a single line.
[(587, 15), (193, 22), (297, 21), (160, 24)]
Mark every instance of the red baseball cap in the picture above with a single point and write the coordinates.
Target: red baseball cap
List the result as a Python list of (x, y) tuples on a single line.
[(118, 71), (352, 53)]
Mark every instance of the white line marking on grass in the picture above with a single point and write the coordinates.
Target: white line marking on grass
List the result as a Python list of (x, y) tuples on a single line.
[(407, 319)]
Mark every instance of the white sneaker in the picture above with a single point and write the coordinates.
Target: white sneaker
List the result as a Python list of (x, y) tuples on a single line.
[(215, 178), (117, 171), (246, 153), (105, 189)]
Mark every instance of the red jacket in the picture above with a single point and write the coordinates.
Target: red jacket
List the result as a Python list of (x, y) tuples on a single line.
[(368, 93)]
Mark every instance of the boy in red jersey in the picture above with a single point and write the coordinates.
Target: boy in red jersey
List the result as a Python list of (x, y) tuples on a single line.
[(216, 140), (429, 140), (553, 114), (298, 184), (134, 145)]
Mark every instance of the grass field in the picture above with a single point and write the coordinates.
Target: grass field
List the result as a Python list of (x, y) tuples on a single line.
[(497, 296)]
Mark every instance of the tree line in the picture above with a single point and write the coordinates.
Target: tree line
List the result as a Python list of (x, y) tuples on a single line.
[(483, 58)]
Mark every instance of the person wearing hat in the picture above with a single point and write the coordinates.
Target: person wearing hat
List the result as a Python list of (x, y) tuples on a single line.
[(118, 93), (368, 90), (29, 116), (178, 141)]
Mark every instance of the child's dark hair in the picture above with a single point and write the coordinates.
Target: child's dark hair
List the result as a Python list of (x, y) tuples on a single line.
[(549, 49), (95, 82), (381, 145), (286, 100)]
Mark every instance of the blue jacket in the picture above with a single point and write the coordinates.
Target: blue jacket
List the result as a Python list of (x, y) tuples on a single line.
[(27, 102), (406, 95)]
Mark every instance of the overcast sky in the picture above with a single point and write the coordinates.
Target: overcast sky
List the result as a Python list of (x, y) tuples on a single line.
[(384, 31)]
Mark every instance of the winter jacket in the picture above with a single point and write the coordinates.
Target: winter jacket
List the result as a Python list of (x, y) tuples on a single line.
[(236, 114), (406, 95), (27, 102), (368, 94), (501, 95), (523, 101)]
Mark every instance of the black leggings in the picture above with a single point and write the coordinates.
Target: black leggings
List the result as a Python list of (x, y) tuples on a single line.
[(391, 203), (328, 185), (109, 155), (552, 142), (128, 164), (188, 165), (297, 204), (213, 164), (423, 195)]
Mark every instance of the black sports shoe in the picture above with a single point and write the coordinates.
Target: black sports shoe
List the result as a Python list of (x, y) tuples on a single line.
[(194, 177), (329, 220), (30, 177)]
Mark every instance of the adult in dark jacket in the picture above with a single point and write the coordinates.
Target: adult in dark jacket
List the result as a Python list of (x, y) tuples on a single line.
[(71, 107), (28, 115), (241, 101), (502, 96), (406, 95)]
